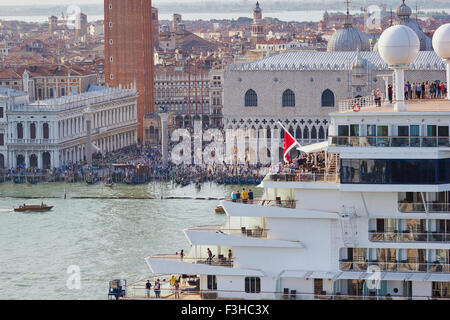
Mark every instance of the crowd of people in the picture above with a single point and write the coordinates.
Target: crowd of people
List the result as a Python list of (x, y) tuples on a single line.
[(425, 90)]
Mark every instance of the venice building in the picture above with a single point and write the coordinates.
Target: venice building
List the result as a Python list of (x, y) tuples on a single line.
[(50, 133)]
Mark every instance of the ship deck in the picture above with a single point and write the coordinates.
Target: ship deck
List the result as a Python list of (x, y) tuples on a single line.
[(412, 106)]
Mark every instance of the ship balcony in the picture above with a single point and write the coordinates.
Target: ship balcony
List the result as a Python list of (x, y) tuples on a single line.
[(273, 209), (429, 207), (195, 264), (215, 261), (290, 204), (242, 232), (319, 176), (408, 236), (390, 141), (219, 236), (395, 266)]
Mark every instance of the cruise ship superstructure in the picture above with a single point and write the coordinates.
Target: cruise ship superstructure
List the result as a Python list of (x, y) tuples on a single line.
[(374, 223)]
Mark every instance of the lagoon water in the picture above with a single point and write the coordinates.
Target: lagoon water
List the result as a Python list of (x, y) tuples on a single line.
[(105, 238)]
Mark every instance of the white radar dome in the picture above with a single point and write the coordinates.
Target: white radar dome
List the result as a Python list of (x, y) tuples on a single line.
[(398, 45), (441, 41)]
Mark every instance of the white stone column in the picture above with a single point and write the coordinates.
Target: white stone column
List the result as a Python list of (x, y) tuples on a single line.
[(39, 156), (165, 137)]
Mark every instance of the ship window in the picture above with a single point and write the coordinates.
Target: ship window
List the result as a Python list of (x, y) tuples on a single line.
[(212, 282), (252, 285), (395, 171)]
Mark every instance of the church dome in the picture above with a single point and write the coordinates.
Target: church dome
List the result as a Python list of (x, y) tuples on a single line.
[(404, 13), (403, 10), (349, 39)]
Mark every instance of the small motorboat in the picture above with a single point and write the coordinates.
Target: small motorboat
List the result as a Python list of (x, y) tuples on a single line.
[(34, 208), (219, 209), (109, 184)]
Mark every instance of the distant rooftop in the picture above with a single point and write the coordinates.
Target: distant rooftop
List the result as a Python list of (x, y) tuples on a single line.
[(6, 92), (95, 95), (318, 60)]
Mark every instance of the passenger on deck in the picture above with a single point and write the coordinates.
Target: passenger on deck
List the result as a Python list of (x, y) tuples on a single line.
[(244, 196), (172, 282), (238, 195), (148, 287), (233, 196), (157, 288), (230, 255), (250, 196), (210, 256), (182, 254), (177, 289)]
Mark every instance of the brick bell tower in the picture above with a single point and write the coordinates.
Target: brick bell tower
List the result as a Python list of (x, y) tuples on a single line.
[(258, 34), (129, 51)]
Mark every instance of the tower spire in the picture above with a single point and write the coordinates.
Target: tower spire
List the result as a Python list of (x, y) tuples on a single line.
[(347, 23)]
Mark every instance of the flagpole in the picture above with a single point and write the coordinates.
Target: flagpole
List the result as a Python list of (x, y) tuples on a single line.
[(289, 133)]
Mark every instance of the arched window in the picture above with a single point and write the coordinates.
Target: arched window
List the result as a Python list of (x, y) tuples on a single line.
[(251, 98), (328, 98), (288, 98)]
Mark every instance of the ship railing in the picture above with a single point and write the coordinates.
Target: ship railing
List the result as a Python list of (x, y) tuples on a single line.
[(408, 236), (243, 232), (407, 207), (292, 204), (361, 102), (389, 141), (215, 261), (304, 177), (189, 291), (398, 266)]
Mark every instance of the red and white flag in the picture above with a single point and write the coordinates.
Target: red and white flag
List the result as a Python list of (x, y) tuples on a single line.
[(289, 143)]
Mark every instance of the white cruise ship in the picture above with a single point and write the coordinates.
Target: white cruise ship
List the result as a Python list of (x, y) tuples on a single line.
[(373, 223)]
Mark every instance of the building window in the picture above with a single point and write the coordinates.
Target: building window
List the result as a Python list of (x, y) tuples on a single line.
[(111, 41), (110, 6), (51, 92), (111, 76), (252, 285), (110, 24), (19, 131), (212, 282), (251, 98), (2, 139), (328, 98), (33, 131), (111, 59), (1, 112), (46, 131), (288, 98)]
